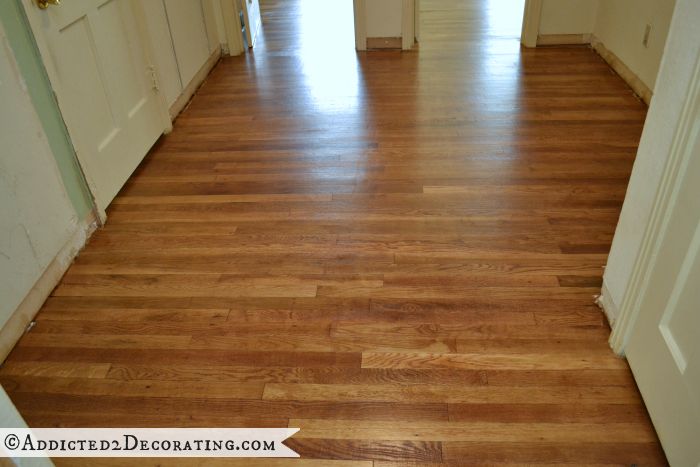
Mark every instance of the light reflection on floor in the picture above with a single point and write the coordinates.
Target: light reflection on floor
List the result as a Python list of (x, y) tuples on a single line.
[(326, 88), (338, 83), (327, 51), (483, 61)]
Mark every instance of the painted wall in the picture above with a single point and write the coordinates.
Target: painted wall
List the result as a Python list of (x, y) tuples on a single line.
[(672, 85), (568, 16), (21, 41), (37, 217), (620, 26), (383, 18)]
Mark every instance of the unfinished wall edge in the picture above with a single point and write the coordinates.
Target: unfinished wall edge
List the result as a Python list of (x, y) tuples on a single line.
[(606, 303), (563, 39), (25, 313), (629, 76), (384, 43)]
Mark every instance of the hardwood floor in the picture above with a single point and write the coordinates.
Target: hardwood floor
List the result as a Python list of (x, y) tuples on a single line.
[(396, 252)]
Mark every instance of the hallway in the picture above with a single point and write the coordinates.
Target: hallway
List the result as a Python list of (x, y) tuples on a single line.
[(395, 252)]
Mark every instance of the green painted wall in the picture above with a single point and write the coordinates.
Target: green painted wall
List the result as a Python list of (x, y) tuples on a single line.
[(27, 55)]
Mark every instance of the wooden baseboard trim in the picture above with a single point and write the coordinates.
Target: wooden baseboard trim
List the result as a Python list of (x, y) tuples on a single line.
[(630, 77), (384, 43), (606, 303), (22, 317), (563, 39), (198, 79)]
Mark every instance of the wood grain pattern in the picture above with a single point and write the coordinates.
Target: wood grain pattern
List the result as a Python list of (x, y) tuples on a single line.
[(476, 431), (395, 251)]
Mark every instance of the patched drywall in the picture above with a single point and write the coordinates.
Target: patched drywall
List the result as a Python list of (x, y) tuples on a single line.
[(36, 214)]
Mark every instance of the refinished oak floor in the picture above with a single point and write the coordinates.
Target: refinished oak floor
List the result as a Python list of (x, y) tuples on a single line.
[(395, 252)]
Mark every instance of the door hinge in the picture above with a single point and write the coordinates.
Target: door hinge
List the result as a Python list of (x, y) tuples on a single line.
[(154, 78)]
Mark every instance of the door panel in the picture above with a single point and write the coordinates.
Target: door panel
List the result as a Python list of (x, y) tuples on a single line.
[(82, 78), (163, 50), (189, 35), (664, 347), (98, 68)]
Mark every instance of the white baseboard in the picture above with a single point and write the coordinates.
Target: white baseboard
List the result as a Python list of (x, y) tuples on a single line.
[(606, 303), (23, 316)]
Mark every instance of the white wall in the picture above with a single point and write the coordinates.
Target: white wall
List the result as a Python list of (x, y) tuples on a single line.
[(620, 27), (677, 66), (383, 18), (568, 16), (618, 24), (36, 215)]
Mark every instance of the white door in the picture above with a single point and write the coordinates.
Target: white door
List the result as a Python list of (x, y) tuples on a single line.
[(664, 345), (95, 58), (252, 19), (189, 34)]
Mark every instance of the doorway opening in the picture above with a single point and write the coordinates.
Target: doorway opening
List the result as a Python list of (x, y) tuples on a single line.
[(308, 27), (487, 21)]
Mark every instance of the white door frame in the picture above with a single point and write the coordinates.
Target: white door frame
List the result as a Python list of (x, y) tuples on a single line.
[(408, 24), (223, 23), (359, 11), (531, 23), (233, 29), (665, 199)]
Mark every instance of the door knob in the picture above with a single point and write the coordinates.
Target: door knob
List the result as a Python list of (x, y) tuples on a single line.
[(44, 4)]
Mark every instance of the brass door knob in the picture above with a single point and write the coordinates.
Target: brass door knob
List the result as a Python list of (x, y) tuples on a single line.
[(44, 4)]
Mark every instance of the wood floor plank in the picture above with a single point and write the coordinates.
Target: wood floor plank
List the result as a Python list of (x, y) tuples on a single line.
[(145, 388), (202, 407), (47, 419), (128, 354), (57, 369), (405, 451), (304, 343), (449, 393), (475, 361), (477, 431), (213, 462), (576, 453), (480, 332), (330, 375), (532, 412)]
